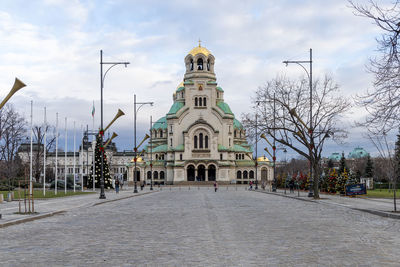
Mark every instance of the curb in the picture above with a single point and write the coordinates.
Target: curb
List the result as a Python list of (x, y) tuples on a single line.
[(37, 217), (374, 212), (49, 214)]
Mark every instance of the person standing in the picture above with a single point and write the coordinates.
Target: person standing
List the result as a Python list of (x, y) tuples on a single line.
[(117, 185), (251, 185), (215, 186)]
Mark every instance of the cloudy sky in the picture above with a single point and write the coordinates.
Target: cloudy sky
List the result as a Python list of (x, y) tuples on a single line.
[(54, 47)]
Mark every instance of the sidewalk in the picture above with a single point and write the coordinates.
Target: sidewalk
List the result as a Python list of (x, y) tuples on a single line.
[(378, 206), (53, 206)]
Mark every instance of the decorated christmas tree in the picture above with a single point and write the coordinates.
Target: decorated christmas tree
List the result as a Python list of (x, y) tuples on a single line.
[(332, 180), (97, 166), (342, 181)]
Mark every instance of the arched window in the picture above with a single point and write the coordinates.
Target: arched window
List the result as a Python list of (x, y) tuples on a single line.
[(217, 94), (206, 141), (195, 141), (204, 102), (155, 175), (208, 64), (237, 156), (195, 101), (234, 134), (161, 133), (200, 104), (149, 175), (239, 175), (251, 174), (156, 156), (200, 64), (191, 64), (245, 175), (155, 134), (200, 140), (162, 175)]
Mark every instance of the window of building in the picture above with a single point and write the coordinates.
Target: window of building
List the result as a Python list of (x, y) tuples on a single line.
[(239, 175), (195, 141), (195, 102), (171, 141), (206, 141), (245, 175), (161, 134), (155, 175), (220, 156), (200, 64), (229, 142), (180, 157), (155, 134), (149, 175), (200, 140), (200, 102), (162, 175), (191, 64), (234, 134), (217, 94), (208, 64), (251, 174), (204, 102)]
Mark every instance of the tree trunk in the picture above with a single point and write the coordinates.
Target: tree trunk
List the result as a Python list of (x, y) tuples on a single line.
[(316, 180)]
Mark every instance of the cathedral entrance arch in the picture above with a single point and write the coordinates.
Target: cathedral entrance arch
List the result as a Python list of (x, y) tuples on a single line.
[(190, 171), (201, 172), (211, 172), (264, 174)]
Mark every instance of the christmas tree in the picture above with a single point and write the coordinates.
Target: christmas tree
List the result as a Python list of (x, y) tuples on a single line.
[(342, 181), (97, 165), (332, 180), (342, 164)]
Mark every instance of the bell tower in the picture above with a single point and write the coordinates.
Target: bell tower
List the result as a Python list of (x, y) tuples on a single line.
[(199, 64)]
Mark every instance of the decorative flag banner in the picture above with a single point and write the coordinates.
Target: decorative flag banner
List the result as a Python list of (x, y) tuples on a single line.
[(93, 110)]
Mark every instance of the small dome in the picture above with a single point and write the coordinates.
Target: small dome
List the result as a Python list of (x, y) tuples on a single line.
[(180, 85), (199, 50), (263, 159)]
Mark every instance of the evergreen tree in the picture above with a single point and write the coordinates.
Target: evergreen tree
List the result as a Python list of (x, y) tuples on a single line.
[(97, 166), (369, 168), (330, 164), (342, 166), (332, 180), (342, 181)]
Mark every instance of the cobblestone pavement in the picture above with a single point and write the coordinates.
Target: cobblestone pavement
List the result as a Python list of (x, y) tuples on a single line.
[(203, 228)]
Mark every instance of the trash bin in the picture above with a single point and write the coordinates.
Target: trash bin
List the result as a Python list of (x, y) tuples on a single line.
[(9, 197)]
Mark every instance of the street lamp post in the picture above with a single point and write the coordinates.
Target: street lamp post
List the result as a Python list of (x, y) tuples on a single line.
[(151, 153), (102, 77), (310, 130), (256, 187), (135, 111)]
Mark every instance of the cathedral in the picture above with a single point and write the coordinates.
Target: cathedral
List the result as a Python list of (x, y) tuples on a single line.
[(199, 139)]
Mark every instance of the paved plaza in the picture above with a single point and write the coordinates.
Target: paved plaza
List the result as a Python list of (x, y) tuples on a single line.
[(182, 227)]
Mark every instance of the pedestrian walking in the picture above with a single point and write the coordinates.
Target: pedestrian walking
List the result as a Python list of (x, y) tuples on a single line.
[(291, 186), (215, 186), (121, 183), (117, 185), (251, 185), (141, 185)]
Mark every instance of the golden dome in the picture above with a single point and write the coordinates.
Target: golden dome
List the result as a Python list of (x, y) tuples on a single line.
[(139, 159), (180, 85), (200, 50), (263, 159)]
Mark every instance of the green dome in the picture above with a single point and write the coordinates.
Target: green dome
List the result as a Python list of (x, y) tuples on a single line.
[(160, 124), (237, 124), (357, 153)]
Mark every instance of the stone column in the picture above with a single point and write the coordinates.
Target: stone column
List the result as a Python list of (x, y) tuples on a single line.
[(195, 174), (206, 170)]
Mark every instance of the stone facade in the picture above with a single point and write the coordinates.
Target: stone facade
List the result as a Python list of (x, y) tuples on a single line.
[(199, 139)]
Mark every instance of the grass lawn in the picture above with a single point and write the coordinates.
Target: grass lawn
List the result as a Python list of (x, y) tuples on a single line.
[(49, 193), (382, 193)]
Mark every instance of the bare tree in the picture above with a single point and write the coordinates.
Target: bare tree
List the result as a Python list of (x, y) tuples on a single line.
[(387, 154), (383, 103), (38, 152), (292, 98), (12, 132)]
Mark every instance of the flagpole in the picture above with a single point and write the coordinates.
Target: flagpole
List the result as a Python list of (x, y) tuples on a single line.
[(55, 185), (65, 158), (44, 154), (74, 156), (81, 157), (93, 147), (30, 170)]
